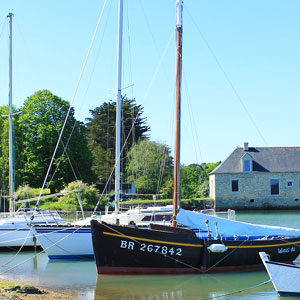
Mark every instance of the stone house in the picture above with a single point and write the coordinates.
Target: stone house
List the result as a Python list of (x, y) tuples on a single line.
[(257, 178)]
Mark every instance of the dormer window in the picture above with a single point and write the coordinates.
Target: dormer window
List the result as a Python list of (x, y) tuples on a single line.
[(246, 163)]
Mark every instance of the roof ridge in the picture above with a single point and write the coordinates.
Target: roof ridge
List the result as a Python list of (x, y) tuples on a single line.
[(272, 147), (222, 162)]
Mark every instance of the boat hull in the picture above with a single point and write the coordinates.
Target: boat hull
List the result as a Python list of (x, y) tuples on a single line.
[(16, 238), (65, 241), (285, 277), (131, 250), (242, 255)]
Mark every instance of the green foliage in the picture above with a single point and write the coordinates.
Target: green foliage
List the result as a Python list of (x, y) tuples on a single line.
[(194, 180), (4, 148), (26, 192), (101, 131), (41, 120), (149, 166), (167, 189), (88, 194)]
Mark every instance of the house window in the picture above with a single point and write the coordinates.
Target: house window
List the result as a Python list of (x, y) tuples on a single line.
[(290, 183), (247, 165), (274, 186), (234, 185)]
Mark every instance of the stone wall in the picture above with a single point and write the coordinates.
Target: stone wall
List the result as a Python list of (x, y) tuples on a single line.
[(255, 191)]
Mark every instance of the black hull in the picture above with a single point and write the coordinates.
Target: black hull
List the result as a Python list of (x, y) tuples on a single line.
[(167, 250)]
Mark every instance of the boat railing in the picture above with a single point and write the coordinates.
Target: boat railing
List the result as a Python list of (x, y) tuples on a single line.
[(229, 214)]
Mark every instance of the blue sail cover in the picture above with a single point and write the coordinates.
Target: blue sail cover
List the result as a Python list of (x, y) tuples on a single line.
[(230, 228)]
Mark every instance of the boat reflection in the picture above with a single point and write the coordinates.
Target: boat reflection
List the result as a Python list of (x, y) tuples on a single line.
[(179, 287)]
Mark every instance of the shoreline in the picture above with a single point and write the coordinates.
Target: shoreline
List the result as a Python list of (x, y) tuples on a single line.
[(15, 290)]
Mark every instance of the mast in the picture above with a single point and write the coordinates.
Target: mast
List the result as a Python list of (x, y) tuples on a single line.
[(118, 109), (176, 195), (10, 138)]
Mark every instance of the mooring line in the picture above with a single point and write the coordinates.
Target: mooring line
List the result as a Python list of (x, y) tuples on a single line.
[(238, 291)]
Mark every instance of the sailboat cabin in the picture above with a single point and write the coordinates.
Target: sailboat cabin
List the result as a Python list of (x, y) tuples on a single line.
[(257, 178)]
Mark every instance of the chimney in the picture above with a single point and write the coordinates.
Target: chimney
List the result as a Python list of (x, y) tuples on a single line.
[(245, 146)]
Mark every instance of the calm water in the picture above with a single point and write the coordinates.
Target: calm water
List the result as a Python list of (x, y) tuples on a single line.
[(81, 276)]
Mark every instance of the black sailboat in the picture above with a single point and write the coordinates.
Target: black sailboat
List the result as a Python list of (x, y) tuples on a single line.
[(169, 250)]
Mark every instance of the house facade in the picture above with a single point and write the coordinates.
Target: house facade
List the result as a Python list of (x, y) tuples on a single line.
[(257, 178)]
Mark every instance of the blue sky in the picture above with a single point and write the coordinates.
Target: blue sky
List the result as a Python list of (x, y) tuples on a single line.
[(241, 66)]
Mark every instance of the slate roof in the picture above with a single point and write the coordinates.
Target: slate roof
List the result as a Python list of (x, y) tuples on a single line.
[(265, 159)]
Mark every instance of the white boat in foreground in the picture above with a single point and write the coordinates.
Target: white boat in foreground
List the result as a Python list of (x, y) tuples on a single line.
[(285, 277)]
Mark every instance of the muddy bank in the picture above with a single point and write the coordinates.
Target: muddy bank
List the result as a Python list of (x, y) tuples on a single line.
[(19, 291)]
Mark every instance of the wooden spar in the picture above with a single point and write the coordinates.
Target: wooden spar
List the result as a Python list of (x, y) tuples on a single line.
[(176, 195)]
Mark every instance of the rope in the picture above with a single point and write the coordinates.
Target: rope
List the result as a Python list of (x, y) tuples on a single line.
[(172, 258), (70, 106), (181, 262), (165, 255), (238, 291), (11, 259), (43, 251), (9, 231), (227, 78), (137, 115)]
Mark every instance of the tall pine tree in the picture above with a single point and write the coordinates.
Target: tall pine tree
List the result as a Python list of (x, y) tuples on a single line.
[(101, 131)]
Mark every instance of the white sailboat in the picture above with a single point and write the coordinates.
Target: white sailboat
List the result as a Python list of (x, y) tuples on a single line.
[(75, 241), (285, 277), (16, 229)]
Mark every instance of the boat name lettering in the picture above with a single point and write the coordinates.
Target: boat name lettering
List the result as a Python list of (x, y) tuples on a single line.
[(127, 245), (152, 248), (286, 250)]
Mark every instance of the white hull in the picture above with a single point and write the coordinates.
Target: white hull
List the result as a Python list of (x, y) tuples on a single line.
[(18, 237), (17, 231), (285, 277), (75, 241), (66, 241)]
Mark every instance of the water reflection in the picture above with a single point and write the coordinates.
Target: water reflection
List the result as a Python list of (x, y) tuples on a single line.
[(54, 274), (179, 287), (80, 276)]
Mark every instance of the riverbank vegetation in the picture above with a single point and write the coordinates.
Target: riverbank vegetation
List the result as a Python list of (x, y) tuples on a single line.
[(22, 291), (84, 160)]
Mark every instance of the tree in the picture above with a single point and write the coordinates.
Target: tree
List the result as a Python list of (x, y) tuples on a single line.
[(149, 166), (4, 149), (41, 121), (101, 131), (194, 180)]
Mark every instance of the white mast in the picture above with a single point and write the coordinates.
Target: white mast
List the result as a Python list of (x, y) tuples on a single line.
[(176, 195), (11, 162), (118, 109)]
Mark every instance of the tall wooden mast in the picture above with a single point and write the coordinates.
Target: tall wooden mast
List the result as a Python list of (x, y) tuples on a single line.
[(176, 195)]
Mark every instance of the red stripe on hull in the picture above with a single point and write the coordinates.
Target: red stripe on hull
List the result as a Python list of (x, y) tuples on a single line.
[(143, 271), (157, 271)]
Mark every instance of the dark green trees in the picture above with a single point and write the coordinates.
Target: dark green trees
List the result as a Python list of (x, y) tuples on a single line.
[(101, 131), (41, 121), (4, 152)]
